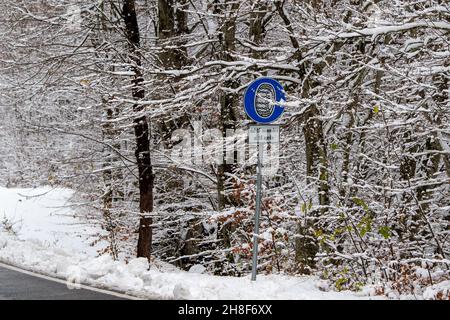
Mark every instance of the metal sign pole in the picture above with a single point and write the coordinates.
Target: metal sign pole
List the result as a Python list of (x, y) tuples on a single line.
[(258, 209)]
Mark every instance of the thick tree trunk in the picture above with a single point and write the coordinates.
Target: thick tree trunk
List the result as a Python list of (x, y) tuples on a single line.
[(142, 134), (172, 26), (228, 101), (316, 154)]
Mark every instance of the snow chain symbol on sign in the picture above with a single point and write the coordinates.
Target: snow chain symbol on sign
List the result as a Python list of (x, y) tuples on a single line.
[(262, 100)]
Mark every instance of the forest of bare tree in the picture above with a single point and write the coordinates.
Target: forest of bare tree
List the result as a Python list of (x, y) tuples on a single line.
[(101, 96)]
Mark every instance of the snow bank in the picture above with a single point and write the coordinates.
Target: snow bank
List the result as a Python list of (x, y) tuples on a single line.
[(162, 281), (48, 238)]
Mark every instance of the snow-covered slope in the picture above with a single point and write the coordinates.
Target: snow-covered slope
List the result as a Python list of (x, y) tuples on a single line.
[(45, 215)]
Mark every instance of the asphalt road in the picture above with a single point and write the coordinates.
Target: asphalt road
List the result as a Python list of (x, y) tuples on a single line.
[(16, 285)]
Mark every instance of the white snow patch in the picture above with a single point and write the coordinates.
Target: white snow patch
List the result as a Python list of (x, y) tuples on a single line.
[(197, 268), (438, 291), (44, 216)]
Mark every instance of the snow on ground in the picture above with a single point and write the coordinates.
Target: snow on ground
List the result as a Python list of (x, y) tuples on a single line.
[(161, 281), (50, 239), (45, 215)]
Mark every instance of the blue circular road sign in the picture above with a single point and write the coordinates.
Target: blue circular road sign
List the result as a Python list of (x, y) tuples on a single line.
[(259, 100)]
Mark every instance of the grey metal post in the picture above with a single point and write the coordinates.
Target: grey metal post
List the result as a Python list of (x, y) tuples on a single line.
[(258, 209)]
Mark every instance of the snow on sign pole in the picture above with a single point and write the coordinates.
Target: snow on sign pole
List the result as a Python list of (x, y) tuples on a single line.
[(261, 103)]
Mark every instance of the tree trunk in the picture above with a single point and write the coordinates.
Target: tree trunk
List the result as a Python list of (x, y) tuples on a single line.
[(306, 246), (228, 101), (142, 133)]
